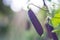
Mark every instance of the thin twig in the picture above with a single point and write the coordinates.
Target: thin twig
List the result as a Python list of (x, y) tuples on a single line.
[(37, 7)]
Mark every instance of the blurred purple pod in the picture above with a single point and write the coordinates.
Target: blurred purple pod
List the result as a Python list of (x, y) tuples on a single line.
[(35, 22), (50, 33)]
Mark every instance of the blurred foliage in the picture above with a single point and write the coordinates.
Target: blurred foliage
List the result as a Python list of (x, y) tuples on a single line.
[(5, 9), (56, 18)]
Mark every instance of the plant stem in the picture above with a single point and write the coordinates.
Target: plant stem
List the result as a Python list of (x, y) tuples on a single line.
[(37, 7)]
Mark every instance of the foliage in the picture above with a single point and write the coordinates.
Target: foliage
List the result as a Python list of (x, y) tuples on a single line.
[(56, 18)]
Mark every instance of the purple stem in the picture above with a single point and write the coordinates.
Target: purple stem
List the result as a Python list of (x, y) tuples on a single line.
[(35, 22)]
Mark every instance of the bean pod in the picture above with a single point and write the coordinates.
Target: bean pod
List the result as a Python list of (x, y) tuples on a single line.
[(35, 22), (50, 33)]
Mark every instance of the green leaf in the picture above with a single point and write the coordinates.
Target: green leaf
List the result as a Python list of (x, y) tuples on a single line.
[(56, 19)]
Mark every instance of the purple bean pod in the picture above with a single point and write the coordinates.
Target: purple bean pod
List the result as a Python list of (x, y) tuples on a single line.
[(35, 22), (50, 33)]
